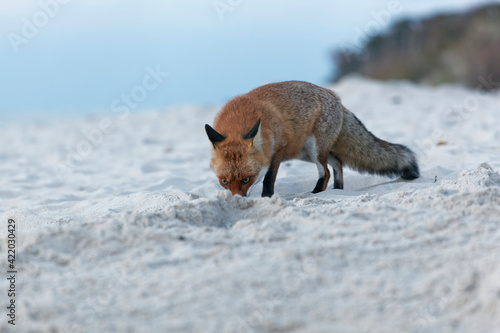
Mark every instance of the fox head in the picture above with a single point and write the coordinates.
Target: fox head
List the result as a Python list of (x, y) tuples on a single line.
[(237, 159)]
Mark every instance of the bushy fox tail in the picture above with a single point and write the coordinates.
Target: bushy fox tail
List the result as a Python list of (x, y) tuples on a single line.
[(363, 151)]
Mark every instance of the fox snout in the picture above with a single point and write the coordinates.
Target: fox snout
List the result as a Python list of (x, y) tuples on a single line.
[(239, 192), (237, 188)]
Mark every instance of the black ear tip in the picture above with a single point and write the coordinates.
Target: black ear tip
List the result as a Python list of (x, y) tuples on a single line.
[(213, 135), (209, 130), (253, 132)]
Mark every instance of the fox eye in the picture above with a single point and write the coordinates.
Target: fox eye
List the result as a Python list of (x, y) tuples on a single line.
[(224, 182), (246, 180)]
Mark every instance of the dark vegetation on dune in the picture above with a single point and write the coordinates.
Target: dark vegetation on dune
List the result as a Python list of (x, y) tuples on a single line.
[(459, 48)]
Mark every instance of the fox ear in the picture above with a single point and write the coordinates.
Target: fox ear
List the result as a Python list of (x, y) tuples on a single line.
[(213, 135), (253, 132)]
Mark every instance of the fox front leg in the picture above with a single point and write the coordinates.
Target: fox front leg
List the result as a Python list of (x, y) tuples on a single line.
[(270, 178)]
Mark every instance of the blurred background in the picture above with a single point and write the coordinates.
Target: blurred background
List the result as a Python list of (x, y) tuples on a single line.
[(62, 58)]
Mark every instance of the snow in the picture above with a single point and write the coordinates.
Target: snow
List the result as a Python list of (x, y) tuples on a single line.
[(123, 227)]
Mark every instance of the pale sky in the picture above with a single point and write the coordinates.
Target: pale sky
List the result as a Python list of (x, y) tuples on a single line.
[(80, 56)]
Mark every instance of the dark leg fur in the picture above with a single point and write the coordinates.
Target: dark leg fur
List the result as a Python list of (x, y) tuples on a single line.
[(324, 176), (319, 185), (268, 184), (270, 178), (337, 184), (338, 175)]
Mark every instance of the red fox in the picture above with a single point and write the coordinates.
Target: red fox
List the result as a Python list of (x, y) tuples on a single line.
[(255, 132)]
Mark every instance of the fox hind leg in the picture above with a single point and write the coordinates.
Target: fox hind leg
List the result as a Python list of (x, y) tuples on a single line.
[(324, 174), (338, 175), (311, 153)]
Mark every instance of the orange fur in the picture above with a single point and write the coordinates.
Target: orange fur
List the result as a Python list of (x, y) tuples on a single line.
[(297, 120)]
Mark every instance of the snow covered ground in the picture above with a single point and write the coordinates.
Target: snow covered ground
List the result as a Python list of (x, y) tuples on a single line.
[(122, 226)]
